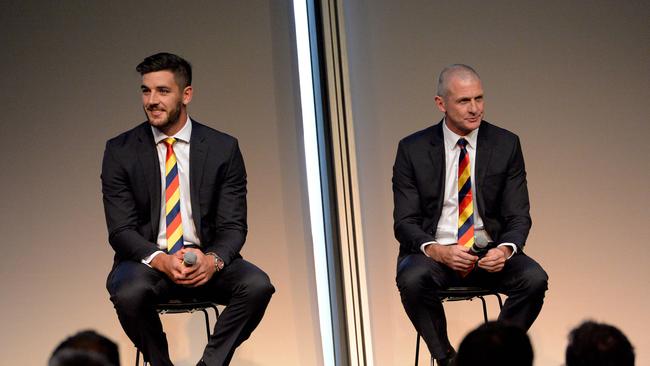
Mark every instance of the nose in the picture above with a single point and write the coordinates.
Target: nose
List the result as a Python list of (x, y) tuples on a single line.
[(473, 107), (153, 98)]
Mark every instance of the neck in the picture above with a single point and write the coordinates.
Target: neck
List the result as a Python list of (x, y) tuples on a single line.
[(172, 128)]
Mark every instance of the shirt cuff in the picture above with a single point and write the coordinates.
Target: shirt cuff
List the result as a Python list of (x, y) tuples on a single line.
[(148, 260), (511, 245), (424, 245)]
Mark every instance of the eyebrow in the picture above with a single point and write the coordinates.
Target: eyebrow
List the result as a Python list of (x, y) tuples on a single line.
[(144, 87), (469, 98)]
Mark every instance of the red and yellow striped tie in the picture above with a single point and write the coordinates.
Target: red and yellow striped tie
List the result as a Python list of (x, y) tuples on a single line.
[(172, 200), (465, 205)]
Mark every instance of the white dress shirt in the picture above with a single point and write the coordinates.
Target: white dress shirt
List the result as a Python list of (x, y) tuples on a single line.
[(182, 152), (447, 230)]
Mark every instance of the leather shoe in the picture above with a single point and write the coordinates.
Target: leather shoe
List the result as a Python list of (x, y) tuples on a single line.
[(449, 360), (446, 361)]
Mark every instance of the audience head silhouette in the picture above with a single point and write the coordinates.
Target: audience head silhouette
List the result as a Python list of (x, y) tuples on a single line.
[(493, 344), (86, 348), (598, 344)]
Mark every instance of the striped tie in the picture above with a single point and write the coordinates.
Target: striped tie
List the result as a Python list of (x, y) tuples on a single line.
[(465, 206), (172, 200)]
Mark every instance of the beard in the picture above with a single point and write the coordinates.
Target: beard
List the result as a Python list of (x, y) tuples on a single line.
[(173, 115)]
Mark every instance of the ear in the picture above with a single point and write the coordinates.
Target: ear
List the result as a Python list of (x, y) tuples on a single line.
[(187, 94), (440, 103)]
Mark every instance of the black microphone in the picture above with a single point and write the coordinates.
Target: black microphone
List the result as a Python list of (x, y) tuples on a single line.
[(479, 248), (189, 259)]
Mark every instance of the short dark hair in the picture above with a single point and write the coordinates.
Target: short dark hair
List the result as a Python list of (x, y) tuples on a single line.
[(495, 343), (168, 61), (598, 344), (90, 344)]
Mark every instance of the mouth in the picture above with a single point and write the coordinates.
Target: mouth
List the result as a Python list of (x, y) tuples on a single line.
[(156, 112)]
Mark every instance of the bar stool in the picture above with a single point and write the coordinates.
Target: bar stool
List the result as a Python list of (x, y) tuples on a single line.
[(461, 294), (178, 307)]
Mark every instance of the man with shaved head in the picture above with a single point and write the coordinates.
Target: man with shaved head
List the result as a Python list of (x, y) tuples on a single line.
[(462, 214)]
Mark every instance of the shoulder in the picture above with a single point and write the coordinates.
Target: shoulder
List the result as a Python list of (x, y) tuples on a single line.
[(497, 134), (423, 137), (495, 131), (212, 136), (129, 138)]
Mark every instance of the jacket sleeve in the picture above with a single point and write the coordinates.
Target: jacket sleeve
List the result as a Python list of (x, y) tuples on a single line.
[(121, 211), (515, 205), (407, 213), (231, 225)]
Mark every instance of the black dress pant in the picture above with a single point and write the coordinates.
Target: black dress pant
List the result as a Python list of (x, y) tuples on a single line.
[(135, 289), (419, 278)]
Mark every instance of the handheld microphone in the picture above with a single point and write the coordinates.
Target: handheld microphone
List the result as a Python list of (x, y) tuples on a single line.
[(189, 259), (479, 248)]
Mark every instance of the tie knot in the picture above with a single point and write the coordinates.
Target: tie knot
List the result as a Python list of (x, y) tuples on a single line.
[(169, 141), (462, 143)]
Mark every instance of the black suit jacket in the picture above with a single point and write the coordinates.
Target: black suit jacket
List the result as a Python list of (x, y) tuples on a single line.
[(500, 187), (132, 192)]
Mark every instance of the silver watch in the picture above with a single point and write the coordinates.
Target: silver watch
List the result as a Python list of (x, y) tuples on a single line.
[(218, 262)]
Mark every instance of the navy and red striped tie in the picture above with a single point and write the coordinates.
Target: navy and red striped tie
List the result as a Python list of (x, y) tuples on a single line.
[(172, 200), (465, 204)]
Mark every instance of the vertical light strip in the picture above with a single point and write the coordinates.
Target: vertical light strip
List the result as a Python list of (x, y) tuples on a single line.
[(312, 167), (353, 266)]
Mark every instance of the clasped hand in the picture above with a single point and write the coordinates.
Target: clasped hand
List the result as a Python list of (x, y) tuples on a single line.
[(189, 276), (459, 259)]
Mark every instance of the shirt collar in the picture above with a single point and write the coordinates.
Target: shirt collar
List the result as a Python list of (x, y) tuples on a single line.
[(183, 135), (451, 138)]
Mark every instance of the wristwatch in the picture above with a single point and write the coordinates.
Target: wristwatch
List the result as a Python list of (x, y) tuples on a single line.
[(218, 262)]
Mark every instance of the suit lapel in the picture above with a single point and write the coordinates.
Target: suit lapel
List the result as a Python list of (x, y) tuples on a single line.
[(437, 156), (148, 159), (198, 154), (483, 156)]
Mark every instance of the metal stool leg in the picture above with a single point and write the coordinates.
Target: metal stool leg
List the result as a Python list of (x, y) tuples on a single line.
[(137, 359), (207, 323), (417, 349), (485, 316), (500, 301)]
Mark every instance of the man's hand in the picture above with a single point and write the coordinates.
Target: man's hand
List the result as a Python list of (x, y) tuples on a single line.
[(192, 276), (198, 274), (495, 258), (169, 264), (454, 256)]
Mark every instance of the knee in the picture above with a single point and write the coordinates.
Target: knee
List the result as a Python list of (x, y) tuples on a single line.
[(131, 296), (416, 280), (257, 288), (536, 281), (410, 280)]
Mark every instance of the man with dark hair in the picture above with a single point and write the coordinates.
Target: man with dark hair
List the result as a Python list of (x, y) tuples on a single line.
[(181, 69), (173, 186), (495, 344), (86, 348), (598, 344), (461, 184)]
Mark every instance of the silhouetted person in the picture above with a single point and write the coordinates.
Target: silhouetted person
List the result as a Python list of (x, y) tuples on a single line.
[(86, 348), (493, 344), (598, 344)]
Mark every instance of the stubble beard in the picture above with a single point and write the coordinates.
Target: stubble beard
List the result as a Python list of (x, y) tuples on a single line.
[(172, 119)]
